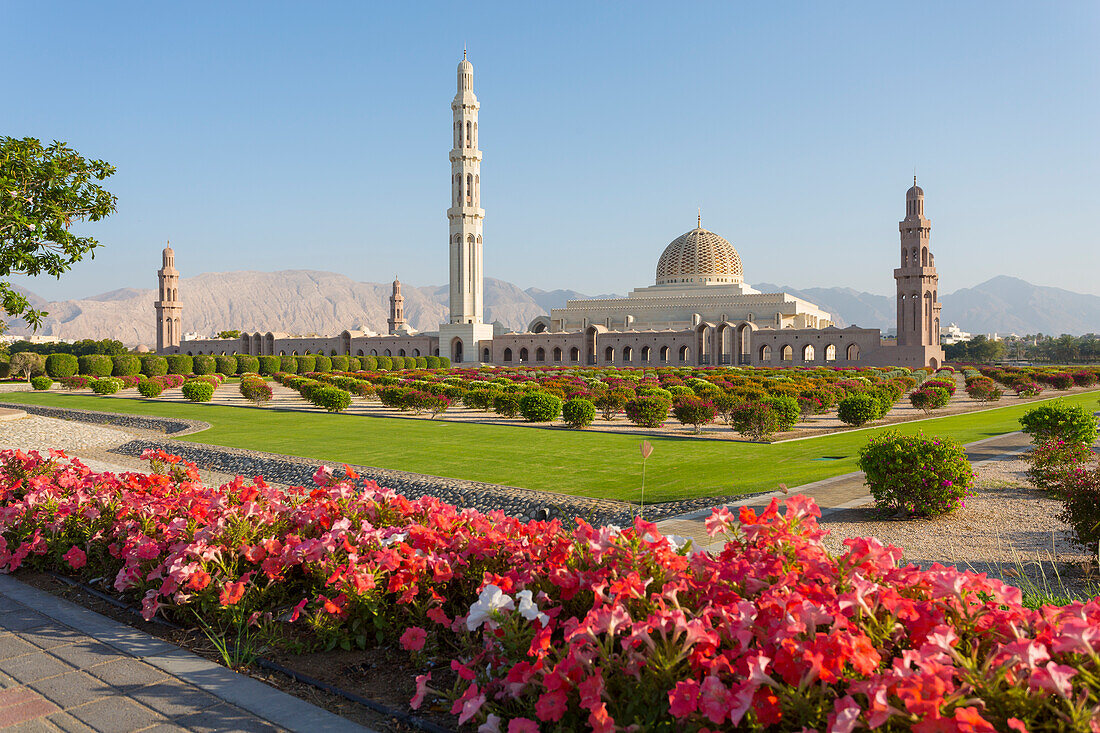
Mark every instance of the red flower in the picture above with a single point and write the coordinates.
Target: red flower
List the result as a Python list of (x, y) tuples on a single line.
[(232, 593), (413, 639), (76, 558)]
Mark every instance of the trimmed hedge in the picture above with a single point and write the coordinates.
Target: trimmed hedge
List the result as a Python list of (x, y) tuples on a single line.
[(204, 364), (385, 363), (354, 364), (368, 363), (288, 364), (226, 365), (340, 363), (125, 365), (182, 364), (269, 365), (61, 365), (578, 413), (539, 407), (323, 364), (95, 365), (247, 364), (431, 362), (150, 387), (198, 390), (307, 363), (154, 366), (333, 399), (106, 385), (41, 383)]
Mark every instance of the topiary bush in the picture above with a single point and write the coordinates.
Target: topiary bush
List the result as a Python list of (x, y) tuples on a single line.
[(368, 363), (539, 407), (756, 420), (41, 383), (125, 365), (323, 363), (355, 363), (506, 404), (1059, 422), (204, 364), (182, 364), (578, 413), (333, 399), (786, 410), (288, 364), (444, 362), (306, 364), (95, 365), (150, 387), (268, 365), (858, 409), (155, 366), (247, 364), (198, 390), (694, 411), (256, 390), (385, 363), (421, 362), (432, 362), (647, 412), (929, 398), (340, 363), (918, 474), (106, 385), (60, 366), (226, 365)]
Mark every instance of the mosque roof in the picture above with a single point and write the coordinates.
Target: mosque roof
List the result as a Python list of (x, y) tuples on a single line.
[(698, 253)]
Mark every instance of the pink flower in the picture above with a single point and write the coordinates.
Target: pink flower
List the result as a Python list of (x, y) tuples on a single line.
[(683, 699), (714, 699), (76, 558), (413, 639), (551, 706), (421, 688), (1053, 678), (522, 725)]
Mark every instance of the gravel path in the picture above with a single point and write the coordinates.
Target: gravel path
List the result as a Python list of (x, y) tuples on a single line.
[(1007, 525)]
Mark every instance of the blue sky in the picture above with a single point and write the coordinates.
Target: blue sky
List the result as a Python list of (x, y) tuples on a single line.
[(278, 135)]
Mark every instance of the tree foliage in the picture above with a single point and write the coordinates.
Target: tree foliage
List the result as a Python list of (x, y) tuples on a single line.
[(43, 191)]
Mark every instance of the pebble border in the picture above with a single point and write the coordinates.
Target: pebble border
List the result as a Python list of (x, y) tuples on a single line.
[(525, 504)]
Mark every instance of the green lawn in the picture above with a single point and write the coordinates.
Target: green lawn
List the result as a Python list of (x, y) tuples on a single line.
[(572, 462)]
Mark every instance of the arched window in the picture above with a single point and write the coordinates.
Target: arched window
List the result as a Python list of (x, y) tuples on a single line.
[(853, 352), (523, 354), (557, 354), (469, 137), (628, 354), (374, 352), (470, 263), (416, 352), (359, 352), (904, 257), (388, 353), (924, 257), (645, 354), (540, 354), (574, 354), (830, 353), (765, 353), (477, 190), (458, 134), (469, 188), (664, 354), (401, 352), (808, 352), (475, 134), (507, 355), (609, 355), (685, 354), (786, 353)]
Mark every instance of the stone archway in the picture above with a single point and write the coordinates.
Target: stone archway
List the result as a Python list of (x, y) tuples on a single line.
[(456, 350)]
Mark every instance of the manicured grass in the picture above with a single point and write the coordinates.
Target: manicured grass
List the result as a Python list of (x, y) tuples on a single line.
[(572, 462)]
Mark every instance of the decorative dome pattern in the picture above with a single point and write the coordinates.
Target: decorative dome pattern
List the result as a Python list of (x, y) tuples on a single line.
[(699, 256)]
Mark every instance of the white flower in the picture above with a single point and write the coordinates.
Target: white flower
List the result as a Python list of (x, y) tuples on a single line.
[(528, 609), (491, 724), (491, 599), (395, 538)]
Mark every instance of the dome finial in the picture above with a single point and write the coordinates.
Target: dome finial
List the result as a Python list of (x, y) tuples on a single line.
[(463, 51), (699, 219)]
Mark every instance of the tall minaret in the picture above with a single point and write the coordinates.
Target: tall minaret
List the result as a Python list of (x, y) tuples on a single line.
[(168, 307), (917, 281), (465, 213), (397, 309)]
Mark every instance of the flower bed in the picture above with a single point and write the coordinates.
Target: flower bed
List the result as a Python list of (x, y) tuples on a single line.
[(592, 628)]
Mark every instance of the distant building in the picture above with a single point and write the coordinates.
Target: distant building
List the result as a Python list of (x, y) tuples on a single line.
[(953, 335), (34, 338)]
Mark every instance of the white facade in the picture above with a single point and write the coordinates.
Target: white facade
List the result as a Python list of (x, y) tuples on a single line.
[(953, 335)]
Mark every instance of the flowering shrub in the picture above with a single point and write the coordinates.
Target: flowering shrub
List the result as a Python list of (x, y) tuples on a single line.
[(1061, 381), (1028, 389), (755, 420), (612, 401), (41, 383), (77, 382), (1079, 490), (919, 474), (647, 412), (150, 387), (859, 409), (198, 390), (1081, 378), (949, 385), (786, 411), (539, 407), (590, 628), (1059, 422), (694, 411), (929, 398), (1053, 460), (254, 389), (578, 413), (984, 389)]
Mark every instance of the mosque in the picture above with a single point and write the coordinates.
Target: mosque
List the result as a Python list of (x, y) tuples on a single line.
[(698, 312)]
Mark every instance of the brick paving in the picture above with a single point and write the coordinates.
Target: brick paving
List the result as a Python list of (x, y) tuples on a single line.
[(65, 668)]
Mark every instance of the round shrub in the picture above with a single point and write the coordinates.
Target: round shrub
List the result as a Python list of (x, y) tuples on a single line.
[(256, 390), (333, 399), (180, 364), (984, 389), (539, 407), (125, 365), (432, 362), (155, 366), (506, 404), (647, 412), (1061, 381), (919, 474), (444, 362), (786, 410), (1059, 422), (421, 362), (61, 365), (1028, 389), (368, 363), (106, 385), (247, 364), (226, 365), (95, 365), (288, 364), (385, 363), (340, 363), (198, 390), (204, 364), (150, 387), (694, 411), (268, 365), (578, 413), (858, 409), (323, 363), (929, 398), (355, 363), (41, 383), (755, 419), (307, 364)]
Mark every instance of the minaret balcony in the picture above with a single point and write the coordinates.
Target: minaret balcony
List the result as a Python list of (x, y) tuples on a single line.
[(457, 212), (915, 272), (458, 154)]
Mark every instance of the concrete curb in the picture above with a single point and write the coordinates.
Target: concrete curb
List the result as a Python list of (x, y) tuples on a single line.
[(264, 701)]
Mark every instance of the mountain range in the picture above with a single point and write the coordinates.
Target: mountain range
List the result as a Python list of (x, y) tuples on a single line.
[(308, 301)]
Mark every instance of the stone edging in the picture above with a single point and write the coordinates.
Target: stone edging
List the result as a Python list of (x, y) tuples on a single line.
[(244, 692), (291, 470), (167, 425)]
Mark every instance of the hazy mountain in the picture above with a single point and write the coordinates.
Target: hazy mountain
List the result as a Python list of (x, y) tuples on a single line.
[(307, 301)]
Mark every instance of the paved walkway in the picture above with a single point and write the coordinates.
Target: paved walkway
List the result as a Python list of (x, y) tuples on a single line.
[(65, 668), (831, 494)]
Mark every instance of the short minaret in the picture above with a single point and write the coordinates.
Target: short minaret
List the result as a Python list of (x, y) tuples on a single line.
[(918, 284), (397, 309), (168, 307), (459, 338)]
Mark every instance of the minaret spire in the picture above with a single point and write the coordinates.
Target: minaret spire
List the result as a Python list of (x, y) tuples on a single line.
[(465, 214), (168, 308), (699, 219)]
